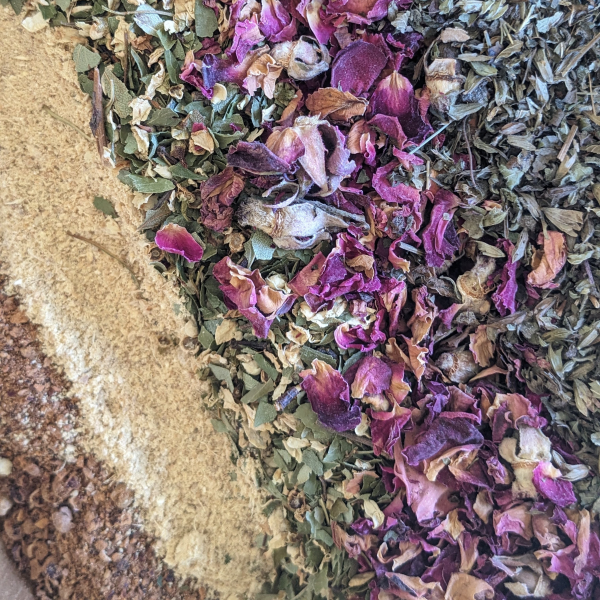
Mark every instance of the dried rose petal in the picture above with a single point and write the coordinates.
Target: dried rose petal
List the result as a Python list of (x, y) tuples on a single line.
[(364, 339), (329, 396), (386, 428), (373, 376), (463, 586), (363, 12), (356, 67), (218, 193), (256, 158), (336, 104), (401, 193), (308, 276), (246, 35), (548, 262), (443, 434), (505, 296), (428, 499), (178, 240), (249, 293), (439, 237), (395, 96), (549, 483), (276, 23)]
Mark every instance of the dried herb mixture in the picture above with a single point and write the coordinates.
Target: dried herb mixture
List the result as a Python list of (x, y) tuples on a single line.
[(383, 217)]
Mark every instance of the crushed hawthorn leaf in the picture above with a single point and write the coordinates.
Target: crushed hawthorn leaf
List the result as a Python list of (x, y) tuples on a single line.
[(382, 215)]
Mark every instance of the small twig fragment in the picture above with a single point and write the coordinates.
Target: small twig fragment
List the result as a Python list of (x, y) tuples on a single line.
[(565, 147), (97, 120), (427, 140), (470, 154), (107, 252), (287, 398), (64, 121)]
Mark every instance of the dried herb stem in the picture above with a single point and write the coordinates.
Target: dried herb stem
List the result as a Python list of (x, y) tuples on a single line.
[(565, 147), (353, 437), (124, 13), (427, 140), (64, 121), (107, 252), (470, 154), (287, 398)]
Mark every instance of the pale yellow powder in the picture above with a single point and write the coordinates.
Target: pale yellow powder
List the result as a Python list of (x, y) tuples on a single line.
[(140, 403)]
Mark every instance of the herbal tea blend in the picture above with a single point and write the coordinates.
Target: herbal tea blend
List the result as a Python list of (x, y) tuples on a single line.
[(382, 217)]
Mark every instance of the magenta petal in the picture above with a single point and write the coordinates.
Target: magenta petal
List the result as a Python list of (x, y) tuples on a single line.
[(243, 290), (329, 396), (437, 242), (191, 74), (398, 194), (395, 96), (386, 428), (308, 276), (505, 296), (372, 377), (442, 435), (256, 158), (178, 240), (391, 127), (276, 23), (363, 12), (362, 339), (246, 35), (356, 67), (557, 490)]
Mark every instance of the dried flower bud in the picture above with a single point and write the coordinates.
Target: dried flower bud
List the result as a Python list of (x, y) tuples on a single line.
[(459, 366), (443, 83), (303, 59), (298, 226)]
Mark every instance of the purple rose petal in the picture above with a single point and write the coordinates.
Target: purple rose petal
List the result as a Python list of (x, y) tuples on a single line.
[(178, 240)]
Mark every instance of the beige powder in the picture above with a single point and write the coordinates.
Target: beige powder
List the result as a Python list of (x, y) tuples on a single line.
[(140, 402)]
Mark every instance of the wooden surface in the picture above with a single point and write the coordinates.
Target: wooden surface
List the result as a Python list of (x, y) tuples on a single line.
[(12, 586)]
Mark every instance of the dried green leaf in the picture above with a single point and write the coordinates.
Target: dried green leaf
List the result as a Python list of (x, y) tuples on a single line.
[(85, 59)]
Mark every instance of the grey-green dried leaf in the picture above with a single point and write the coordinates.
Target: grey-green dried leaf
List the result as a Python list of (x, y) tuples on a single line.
[(520, 141), (258, 392), (583, 397), (265, 413), (206, 20), (163, 117), (146, 185), (488, 250), (154, 218), (460, 111), (568, 221), (105, 206), (311, 460), (116, 90), (148, 20), (222, 374), (85, 59), (494, 217), (262, 245), (483, 69)]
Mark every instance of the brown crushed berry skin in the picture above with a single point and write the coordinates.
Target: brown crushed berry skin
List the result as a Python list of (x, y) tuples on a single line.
[(71, 530)]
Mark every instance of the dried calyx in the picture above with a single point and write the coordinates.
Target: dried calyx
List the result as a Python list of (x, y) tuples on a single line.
[(297, 226)]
